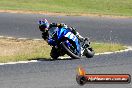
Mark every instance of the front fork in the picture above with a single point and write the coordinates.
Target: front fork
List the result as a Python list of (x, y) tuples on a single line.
[(84, 46)]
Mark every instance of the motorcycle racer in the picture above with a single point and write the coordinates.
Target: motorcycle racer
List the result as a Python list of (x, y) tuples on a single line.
[(45, 27)]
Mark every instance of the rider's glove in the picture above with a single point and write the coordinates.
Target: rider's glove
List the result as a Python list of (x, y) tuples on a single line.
[(61, 25)]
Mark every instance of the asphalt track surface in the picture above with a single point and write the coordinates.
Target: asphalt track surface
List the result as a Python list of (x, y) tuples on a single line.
[(62, 73)]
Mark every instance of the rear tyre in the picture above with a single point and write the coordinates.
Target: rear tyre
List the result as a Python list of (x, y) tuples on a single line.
[(69, 52), (54, 53), (89, 52)]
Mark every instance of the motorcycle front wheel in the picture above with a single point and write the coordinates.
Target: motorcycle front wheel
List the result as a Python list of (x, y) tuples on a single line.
[(89, 52), (69, 52)]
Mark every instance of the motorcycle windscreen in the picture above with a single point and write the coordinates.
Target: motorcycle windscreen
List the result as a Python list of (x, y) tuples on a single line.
[(52, 31)]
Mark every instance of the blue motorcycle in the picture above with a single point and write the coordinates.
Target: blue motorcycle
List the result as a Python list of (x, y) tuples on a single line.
[(65, 42)]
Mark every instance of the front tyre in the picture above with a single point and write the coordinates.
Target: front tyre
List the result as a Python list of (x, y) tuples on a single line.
[(89, 52), (69, 52)]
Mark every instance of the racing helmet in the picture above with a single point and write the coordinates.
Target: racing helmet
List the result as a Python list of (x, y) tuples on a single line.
[(43, 24)]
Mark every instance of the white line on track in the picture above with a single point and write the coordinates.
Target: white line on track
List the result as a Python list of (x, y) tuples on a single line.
[(19, 62), (129, 48), (1, 36), (37, 39)]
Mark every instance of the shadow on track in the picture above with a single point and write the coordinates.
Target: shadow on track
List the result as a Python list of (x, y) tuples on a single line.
[(50, 59)]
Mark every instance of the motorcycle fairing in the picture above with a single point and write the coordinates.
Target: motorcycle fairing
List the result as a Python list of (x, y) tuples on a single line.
[(63, 32)]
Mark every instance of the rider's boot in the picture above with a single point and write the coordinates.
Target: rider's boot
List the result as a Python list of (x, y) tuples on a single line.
[(54, 54)]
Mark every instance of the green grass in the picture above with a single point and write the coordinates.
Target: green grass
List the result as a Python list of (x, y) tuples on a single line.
[(107, 47), (107, 7), (22, 50)]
